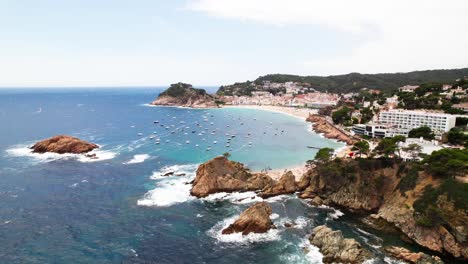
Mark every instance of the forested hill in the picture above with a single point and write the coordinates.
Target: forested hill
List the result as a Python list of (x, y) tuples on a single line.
[(354, 81)]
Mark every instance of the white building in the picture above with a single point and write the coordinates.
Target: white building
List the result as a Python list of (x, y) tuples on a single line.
[(406, 120), (408, 88)]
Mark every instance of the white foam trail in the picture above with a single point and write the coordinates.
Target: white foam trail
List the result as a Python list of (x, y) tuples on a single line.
[(170, 190), (313, 254), (335, 214), (138, 159), (235, 197), (23, 151), (238, 238)]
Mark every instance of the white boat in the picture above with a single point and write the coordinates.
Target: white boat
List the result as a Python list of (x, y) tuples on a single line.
[(214, 142), (187, 142), (140, 134)]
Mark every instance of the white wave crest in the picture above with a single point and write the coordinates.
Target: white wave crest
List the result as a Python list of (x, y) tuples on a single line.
[(235, 197), (172, 189), (24, 151), (313, 254), (238, 238), (138, 159), (335, 214)]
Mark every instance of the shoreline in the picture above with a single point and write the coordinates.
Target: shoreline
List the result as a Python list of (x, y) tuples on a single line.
[(300, 113)]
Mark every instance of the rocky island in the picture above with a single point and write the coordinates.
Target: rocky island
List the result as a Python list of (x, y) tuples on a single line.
[(182, 94), (63, 144)]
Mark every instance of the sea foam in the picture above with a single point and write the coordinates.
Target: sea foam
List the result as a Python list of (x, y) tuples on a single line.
[(138, 159), (170, 190), (24, 151)]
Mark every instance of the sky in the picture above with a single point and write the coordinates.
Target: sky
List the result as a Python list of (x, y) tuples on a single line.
[(214, 42)]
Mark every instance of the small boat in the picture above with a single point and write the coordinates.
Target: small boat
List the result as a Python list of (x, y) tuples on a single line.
[(151, 137), (140, 134), (156, 121), (196, 145), (214, 142), (208, 149), (187, 142)]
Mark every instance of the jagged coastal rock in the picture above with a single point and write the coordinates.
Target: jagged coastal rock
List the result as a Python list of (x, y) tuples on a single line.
[(285, 185), (321, 125), (182, 94), (337, 249), (223, 175), (375, 187), (256, 219), (412, 257), (62, 144)]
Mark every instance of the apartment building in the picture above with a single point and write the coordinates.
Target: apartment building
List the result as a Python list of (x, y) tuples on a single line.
[(405, 120)]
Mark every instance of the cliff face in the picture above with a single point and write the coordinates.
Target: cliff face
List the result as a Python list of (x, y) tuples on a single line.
[(62, 144), (181, 94), (380, 188)]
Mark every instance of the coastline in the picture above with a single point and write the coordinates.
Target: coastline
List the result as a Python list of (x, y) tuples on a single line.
[(301, 113)]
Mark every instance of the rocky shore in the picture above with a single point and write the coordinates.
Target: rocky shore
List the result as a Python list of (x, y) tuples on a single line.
[(371, 187), (337, 249), (63, 144), (322, 125)]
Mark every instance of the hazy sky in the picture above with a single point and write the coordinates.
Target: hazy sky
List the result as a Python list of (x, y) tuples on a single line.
[(212, 42)]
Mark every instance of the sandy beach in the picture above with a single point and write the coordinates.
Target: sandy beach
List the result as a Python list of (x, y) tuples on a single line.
[(301, 113)]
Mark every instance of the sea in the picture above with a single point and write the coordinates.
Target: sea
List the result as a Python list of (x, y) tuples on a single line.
[(120, 208)]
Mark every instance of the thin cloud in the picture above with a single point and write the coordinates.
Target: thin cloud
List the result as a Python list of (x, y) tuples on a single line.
[(401, 35)]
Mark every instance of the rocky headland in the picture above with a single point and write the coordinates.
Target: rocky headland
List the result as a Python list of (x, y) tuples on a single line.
[(412, 257), (255, 219), (337, 249), (322, 125), (395, 197), (382, 193), (63, 144), (182, 94)]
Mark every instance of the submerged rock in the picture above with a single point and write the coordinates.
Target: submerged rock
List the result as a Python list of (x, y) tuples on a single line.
[(412, 257), (337, 249), (285, 185), (256, 219), (62, 144), (223, 175)]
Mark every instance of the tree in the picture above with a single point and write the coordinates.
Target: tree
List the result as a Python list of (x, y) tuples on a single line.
[(413, 149), (226, 155), (342, 115), (423, 131), (456, 136), (324, 154), (361, 146), (447, 162), (389, 146), (366, 115)]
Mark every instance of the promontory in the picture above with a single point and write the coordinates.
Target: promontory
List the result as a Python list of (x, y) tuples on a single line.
[(182, 94)]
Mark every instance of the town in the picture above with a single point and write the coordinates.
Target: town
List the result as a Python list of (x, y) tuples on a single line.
[(430, 116)]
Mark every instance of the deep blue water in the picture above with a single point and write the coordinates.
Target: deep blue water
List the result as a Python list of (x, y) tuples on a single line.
[(118, 209)]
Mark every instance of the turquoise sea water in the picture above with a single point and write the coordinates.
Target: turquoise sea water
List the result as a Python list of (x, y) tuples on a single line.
[(119, 209)]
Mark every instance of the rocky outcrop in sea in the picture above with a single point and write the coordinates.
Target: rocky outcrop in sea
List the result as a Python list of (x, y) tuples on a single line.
[(255, 219), (63, 144), (223, 175), (337, 249)]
